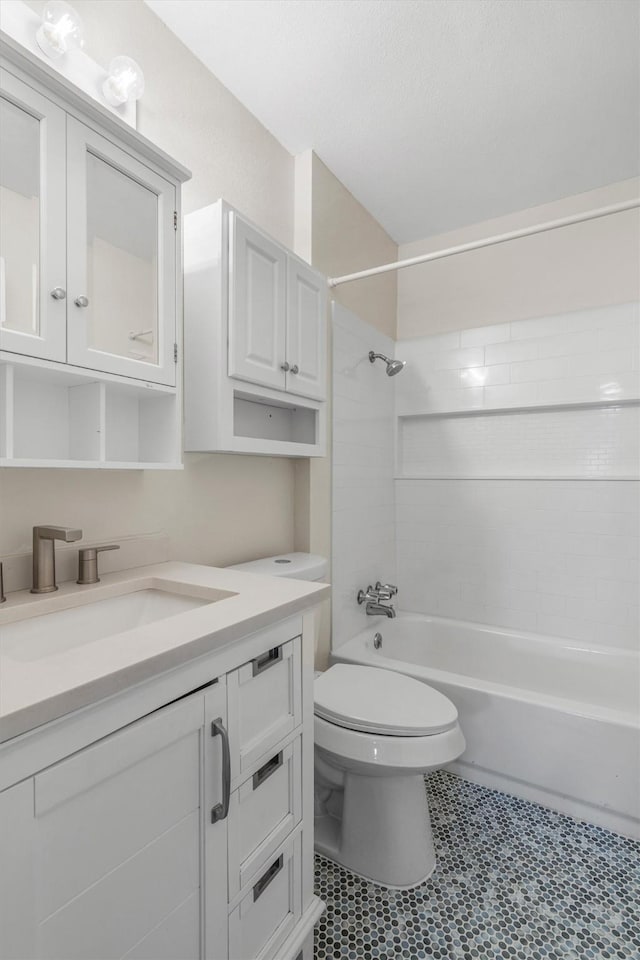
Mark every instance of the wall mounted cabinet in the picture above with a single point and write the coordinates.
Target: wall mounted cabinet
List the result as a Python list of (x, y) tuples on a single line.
[(255, 341), (90, 265)]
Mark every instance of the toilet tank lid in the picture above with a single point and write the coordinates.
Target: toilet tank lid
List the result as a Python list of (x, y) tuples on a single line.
[(296, 566)]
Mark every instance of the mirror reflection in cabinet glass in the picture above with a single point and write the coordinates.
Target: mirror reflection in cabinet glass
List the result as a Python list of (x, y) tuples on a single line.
[(19, 219), (122, 263)]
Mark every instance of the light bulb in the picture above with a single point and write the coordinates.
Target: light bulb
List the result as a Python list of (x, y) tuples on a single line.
[(125, 81), (61, 28)]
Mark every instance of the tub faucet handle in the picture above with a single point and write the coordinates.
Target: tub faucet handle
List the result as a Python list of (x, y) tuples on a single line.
[(386, 590)]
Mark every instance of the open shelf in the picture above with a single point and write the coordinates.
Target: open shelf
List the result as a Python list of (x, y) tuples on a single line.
[(51, 417), (271, 420)]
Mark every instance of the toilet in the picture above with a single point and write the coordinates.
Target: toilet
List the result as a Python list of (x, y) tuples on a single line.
[(377, 733)]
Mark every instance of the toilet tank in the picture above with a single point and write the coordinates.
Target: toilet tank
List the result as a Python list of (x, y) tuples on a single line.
[(296, 566)]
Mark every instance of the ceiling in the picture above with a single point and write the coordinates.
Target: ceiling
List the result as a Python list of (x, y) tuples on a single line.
[(435, 113)]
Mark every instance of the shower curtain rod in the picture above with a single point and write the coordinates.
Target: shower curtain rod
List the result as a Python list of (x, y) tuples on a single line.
[(487, 242)]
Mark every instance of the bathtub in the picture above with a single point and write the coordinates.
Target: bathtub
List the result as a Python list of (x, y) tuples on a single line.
[(547, 719)]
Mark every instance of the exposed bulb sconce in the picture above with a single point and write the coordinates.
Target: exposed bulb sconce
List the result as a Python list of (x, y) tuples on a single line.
[(61, 29), (125, 81)]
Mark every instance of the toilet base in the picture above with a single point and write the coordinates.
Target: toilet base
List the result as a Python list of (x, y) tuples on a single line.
[(378, 828)]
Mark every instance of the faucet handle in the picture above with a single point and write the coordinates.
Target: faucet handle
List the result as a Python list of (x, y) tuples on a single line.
[(365, 595), (386, 590), (88, 563)]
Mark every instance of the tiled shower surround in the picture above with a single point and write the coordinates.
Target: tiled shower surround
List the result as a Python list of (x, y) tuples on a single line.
[(513, 881), (515, 499)]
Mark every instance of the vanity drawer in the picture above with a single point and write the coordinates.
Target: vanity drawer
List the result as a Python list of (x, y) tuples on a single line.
[(264, 704), (269, 908), (263, 811)]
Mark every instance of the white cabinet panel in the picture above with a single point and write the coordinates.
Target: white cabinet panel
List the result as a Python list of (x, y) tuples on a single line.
[(32, 222), (257, 303), (111, 916), (268, 910), (264, 810), (264, 703), (121, 261), (176, 938), (306, 330), (17, 873)]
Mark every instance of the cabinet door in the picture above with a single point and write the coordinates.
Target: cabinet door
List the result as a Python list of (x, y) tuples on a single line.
[(306, 330), (118, 833), (121, 261), (32, 222), (257, 306)]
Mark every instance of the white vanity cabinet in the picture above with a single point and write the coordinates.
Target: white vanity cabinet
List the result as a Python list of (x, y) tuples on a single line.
[(90, 280), (184, 835), (107, 843), (255, 341)]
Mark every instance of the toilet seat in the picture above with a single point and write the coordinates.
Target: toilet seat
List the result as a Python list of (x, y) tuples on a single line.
[(377, 755), (381, 702)]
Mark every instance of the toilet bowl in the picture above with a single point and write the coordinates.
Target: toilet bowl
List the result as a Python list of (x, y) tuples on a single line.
[(377, 733)]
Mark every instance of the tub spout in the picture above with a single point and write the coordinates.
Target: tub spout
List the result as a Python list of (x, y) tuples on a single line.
[(377, 609)]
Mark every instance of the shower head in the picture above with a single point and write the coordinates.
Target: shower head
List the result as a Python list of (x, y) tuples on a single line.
[(393, 366)]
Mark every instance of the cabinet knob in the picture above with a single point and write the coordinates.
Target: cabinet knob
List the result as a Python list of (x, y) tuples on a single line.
[(285, 366), (58, 293), (294, 369), (81, 302)]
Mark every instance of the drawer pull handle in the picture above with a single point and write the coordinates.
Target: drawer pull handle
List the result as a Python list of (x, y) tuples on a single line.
[(264, 881), (266, 660), (267, 769), (220, 811)]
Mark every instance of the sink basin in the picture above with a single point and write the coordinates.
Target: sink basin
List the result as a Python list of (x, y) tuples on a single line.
[(53, 633)]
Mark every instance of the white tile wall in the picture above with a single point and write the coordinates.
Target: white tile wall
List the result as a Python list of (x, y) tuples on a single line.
[(586, 356), (363, 535), (558, 557), (553, 557)]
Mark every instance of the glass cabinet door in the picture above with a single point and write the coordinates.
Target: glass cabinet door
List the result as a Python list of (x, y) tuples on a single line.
[(121, 261), (32, 222)]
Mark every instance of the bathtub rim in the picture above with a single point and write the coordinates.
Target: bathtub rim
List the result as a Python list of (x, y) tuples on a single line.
[(579, 708)]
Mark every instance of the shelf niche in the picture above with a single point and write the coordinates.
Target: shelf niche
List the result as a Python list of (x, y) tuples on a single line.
[(269, 420)]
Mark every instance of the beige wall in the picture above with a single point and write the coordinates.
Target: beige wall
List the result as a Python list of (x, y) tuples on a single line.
[(585, 265), (220, 509), (339, 236), (346, 238)]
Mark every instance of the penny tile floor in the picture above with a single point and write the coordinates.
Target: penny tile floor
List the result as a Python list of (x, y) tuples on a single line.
[(514, 881)]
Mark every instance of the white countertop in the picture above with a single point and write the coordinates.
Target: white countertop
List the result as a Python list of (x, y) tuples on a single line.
[(35, 691)]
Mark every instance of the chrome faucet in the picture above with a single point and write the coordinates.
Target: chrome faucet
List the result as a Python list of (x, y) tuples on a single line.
[(44, 557), (373, 597)]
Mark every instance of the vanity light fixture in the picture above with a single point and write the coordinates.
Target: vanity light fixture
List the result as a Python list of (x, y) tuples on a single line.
[(125, 81), (61, 29)]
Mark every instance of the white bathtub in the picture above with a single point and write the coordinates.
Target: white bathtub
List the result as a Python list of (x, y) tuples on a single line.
[(544, 718)]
